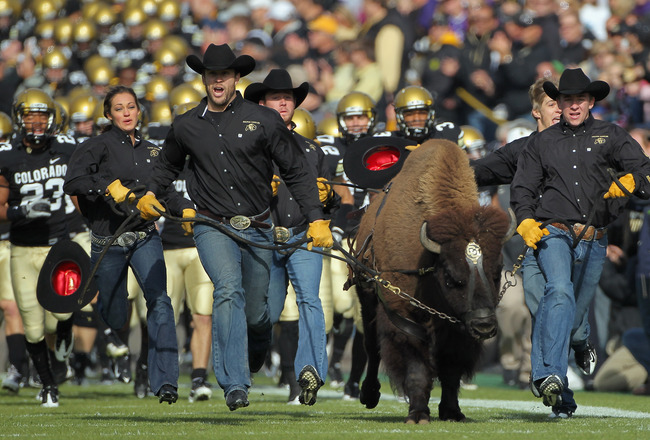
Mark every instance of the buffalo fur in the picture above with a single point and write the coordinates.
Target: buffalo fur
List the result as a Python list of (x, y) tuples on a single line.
[(436, 185)]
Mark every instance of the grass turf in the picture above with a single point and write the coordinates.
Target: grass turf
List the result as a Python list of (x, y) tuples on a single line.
[(493, 412)]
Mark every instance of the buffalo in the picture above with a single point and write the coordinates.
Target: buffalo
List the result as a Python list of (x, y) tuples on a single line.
[(436, 254)]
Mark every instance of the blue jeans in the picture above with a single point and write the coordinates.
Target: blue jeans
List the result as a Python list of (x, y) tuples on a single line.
[(146, 259), (240, 318), (303, 269), (571, 276)]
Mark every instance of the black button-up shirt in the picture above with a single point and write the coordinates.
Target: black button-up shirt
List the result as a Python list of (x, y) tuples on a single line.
[(98, 162), (231, 160), (284, 208), (499, 167), (568, 167)]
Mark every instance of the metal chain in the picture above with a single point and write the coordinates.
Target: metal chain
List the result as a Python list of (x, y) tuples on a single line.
[(512, 282), (414, 302)]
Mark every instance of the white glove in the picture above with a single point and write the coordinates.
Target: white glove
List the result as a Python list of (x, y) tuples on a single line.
[(37, 208)]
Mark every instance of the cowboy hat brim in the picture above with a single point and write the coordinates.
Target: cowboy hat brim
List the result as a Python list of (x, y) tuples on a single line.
[(372, 161), (63, 276), (243, 64), (256, 92), (598, 89)]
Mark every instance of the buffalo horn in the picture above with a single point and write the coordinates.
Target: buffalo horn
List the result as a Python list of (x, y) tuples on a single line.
[(428, 244), (513, 225)]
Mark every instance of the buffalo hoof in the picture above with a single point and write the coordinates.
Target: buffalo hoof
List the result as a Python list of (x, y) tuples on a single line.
[(417, 418), (370, 394), (451, 415)]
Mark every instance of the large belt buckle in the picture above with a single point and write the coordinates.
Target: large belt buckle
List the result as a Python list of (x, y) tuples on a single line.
[(127, 239), (240, 222), (281, 234)]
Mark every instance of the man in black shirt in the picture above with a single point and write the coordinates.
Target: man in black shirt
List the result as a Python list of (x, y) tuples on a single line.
[(232, 145), (567, 164), (302, 268)]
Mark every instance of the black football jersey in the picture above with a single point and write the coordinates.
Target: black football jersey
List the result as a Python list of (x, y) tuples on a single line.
[(38, 174)]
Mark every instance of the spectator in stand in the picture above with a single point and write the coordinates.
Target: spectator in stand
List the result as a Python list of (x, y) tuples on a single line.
[(575, 41)]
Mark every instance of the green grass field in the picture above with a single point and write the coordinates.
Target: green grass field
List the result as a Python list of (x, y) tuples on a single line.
[(493, 411)]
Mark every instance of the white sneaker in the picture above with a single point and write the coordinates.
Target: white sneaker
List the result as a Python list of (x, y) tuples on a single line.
[(49, 397)]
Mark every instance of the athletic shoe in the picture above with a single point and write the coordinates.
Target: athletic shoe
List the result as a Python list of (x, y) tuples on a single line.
[(336, 376), (560, 414), (200, 390), (236, 399), (13, 381), (351, 391), (114, 346), (586, 359), (550, 389), (141, 384), (310, 382), (108, 378), (63, 346), (167, 393), (49, 396), (122, 369)]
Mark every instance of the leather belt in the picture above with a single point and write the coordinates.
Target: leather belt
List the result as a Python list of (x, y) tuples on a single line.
[(240, 222), (591, 233), (282, 234), (125, 240)]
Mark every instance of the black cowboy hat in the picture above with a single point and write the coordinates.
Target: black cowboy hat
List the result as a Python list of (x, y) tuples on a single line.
[(221, 58), (277, 79), (63, 277), (575, 82), (372, 161)]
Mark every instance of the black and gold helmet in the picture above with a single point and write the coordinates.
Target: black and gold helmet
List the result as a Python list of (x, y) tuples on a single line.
[(304, 121), (6, 126), (63, 31), (82, 108), (84, 31), (182, 94), (34, 100), (62, 118), (414, 98), (355, 103), (55, 58), (329, 126), (472, 141)]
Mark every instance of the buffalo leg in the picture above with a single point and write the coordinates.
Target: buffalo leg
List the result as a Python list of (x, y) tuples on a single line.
[(369, 395), (448, 409), (417, 387)]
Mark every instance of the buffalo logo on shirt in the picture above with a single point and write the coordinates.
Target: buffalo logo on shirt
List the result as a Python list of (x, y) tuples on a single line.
[(600, 140), (251, 125), (154, 151)]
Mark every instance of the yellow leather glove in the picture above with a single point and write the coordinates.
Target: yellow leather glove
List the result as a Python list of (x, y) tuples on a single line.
[(324, 189), (188, 227), (119, 191), (274, 184), (530, 231), (319, 230), (614, 191), (412, 147), (146, 205)]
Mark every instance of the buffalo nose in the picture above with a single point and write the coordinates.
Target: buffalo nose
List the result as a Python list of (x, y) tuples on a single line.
[(483, 328)]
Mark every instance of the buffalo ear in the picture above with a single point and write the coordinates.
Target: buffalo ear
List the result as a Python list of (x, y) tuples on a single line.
[(513, 225), (428, 244)]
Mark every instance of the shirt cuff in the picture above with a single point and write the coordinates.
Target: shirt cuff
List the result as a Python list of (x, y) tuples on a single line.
[(315, 214)]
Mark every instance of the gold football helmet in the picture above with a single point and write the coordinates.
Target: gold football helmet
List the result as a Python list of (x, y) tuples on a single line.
[(166, 56), (61, 118), (240, 86), (54, 58), (103, 15), (304, 121), (63, 31), (169, 10), (82, 108), (161, 113), (10, 8), (182, 108), (414, 98), (98, 70), (155, 30), (355, 104), (328, 126), (472, 141), (6, 126), (30, 101), (85, 31), (157, 88), (43, 10), (178, 45), (134, 16), (45, 30), (100, 120), (182, 94)]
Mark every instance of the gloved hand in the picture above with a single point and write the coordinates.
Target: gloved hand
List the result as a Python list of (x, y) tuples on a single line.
[(119, 191), (614, 191), (146, 205), (530, 231), (37, 208), (274, 184), (412, 147), (319, 230), (337, 235), (188, 227), (324, 189)]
